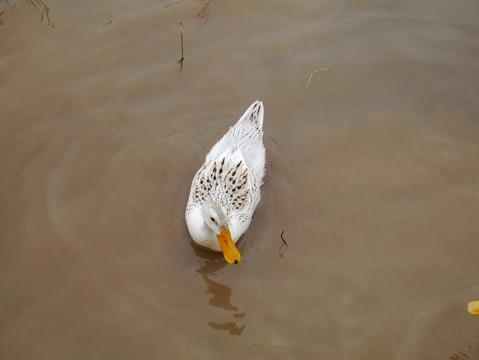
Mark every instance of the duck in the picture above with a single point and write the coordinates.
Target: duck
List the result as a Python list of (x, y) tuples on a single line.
[(225, 191)]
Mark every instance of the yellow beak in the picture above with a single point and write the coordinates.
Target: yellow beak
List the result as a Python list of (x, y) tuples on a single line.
[(230, 252), (473, 307)]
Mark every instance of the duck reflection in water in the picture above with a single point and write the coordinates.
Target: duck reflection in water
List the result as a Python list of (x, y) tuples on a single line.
[(211, 263)]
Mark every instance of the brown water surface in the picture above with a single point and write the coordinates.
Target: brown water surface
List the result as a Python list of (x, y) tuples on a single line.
[(372, 173)]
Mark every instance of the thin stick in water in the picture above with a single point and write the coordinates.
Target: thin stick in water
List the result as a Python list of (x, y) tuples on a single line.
[(311, 76), (182, 53), (281, 247), (201, 14)]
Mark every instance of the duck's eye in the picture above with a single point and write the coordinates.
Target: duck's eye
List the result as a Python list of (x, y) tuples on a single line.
[(212, 219)]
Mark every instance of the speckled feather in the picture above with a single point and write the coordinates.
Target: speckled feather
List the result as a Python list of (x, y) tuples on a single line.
[(226, 182)]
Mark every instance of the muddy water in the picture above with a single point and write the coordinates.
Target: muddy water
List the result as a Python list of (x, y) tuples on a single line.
[(372, 174)]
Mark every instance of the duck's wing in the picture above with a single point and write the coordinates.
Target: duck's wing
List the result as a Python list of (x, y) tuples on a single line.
[(225, 179)]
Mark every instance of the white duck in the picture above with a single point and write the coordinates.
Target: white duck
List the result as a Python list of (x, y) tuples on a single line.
[(226, 189)]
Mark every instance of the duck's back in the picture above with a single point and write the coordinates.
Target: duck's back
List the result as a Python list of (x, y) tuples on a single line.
[(246, 136)]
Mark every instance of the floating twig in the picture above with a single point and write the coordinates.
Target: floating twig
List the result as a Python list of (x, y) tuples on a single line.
[(182, 54), (281, 247), (311, 76), (43, 9), (201, 14)]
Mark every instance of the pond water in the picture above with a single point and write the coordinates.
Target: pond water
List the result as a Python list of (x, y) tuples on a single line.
[(372, 175)]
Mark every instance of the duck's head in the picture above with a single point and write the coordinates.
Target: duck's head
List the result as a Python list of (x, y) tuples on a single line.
[(215, 218)]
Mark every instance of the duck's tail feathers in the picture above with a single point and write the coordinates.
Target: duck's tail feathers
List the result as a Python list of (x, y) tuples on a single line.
[(254, 114)]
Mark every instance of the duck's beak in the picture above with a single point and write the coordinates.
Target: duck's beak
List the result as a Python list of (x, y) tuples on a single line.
[(473, 307), (230, 252)]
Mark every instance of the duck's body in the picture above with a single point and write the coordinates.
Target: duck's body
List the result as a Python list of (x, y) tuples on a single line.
[(226, 189)]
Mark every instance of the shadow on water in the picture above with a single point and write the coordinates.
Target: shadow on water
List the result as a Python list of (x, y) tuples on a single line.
[(211, 263)]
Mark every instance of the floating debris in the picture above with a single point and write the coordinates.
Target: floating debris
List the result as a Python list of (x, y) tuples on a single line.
[(43, 9), (284, 243), (311, 76), (202, 14), (182, 54)]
